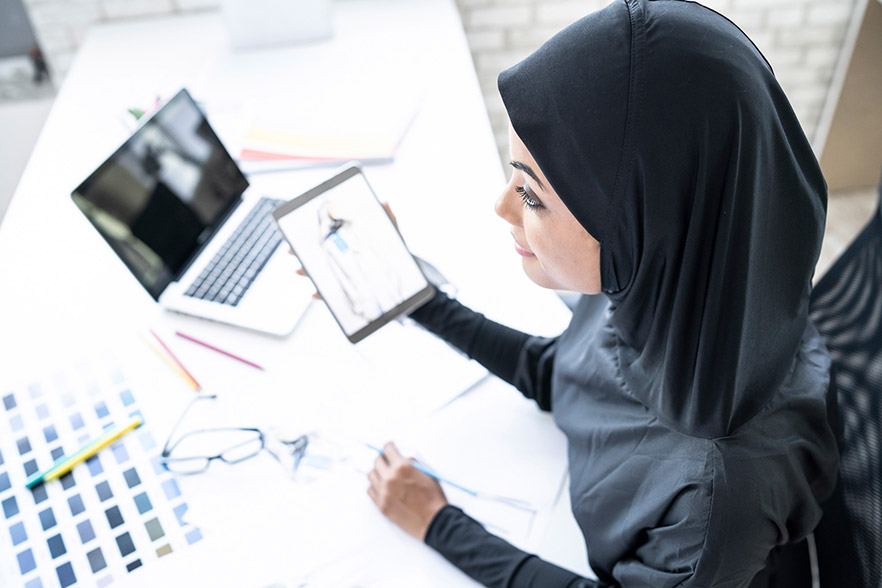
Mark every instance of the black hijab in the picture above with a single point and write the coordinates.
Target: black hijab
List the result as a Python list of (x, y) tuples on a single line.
[(663, 130)]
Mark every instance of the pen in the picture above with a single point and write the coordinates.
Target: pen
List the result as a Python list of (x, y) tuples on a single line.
[(64, 464), (428, 471)]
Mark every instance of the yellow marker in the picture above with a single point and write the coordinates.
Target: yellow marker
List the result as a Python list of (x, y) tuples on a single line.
[(64, 464)]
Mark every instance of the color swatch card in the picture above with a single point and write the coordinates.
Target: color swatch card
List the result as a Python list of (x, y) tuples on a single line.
[(110, 515)]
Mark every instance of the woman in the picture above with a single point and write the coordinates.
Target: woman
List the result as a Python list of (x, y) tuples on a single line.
[(657, 161)]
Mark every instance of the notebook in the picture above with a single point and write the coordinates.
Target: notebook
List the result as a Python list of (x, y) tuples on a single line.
[(177, 210)]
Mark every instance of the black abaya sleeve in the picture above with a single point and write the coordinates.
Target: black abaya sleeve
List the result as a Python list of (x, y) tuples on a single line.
[(491, 560), (526, 363), (520, 359)]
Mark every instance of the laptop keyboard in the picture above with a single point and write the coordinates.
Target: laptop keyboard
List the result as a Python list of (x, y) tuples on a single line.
[(232, 270)]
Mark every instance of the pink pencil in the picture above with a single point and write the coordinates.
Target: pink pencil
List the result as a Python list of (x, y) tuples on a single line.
[(197, 386), (213, 348)]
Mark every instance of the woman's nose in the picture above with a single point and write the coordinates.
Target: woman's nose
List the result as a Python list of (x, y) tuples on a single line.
[(506, 206)]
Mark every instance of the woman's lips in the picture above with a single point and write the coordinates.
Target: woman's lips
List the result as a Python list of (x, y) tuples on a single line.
[(521, 251)]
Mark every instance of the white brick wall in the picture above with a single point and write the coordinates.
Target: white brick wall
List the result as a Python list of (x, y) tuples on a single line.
[(118, 9), (800, 38), (496, 17), (834, 13), (61, 25)]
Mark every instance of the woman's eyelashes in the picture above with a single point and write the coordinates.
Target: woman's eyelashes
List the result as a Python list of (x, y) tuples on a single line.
[(529, 199)]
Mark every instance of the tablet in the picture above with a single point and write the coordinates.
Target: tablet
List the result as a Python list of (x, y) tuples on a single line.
[(353, 253)]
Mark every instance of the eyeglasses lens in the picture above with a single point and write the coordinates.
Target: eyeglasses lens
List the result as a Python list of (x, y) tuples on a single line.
[(193, 452), (246, 447), (187, 465)]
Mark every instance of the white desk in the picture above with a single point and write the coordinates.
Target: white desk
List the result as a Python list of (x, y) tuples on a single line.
[(65, 294)]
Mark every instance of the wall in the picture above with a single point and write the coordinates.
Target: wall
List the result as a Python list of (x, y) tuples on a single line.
[(800, 38), (852, 148), (62, 24)]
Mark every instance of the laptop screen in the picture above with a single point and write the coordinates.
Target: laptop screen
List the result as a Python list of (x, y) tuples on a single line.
[(163, 193)]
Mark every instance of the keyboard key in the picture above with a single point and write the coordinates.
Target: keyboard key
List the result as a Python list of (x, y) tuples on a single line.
[(233, 269)]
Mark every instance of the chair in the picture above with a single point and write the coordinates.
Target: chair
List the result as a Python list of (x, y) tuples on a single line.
[(846, 307)]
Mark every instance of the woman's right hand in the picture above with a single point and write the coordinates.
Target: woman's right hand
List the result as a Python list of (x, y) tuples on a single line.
[(301, 272), (405, 495)]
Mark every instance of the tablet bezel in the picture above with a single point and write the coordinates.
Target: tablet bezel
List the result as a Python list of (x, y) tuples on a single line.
[(405, 307)]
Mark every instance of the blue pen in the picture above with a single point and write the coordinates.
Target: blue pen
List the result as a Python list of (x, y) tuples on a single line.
[(429, 472)]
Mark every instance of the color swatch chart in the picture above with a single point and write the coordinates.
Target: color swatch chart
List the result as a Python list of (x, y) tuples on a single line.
[(107, 517)]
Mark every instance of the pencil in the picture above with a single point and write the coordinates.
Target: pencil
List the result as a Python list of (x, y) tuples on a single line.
[(429, 472), (176, 360), (64, 464), (213, 348), (175, 368)]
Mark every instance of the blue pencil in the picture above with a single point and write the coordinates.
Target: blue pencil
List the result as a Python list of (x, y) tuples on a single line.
[(429, 472)]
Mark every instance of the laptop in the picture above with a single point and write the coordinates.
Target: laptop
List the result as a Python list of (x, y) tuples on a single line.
[(174, 206)]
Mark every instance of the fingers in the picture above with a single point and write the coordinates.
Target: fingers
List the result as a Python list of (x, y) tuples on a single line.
[(374, 478), (375, 496), (381, 465), (379, 488), (301, 272), (391, 214), (406, 496), (381, 498), (392, 454), (390, 465)]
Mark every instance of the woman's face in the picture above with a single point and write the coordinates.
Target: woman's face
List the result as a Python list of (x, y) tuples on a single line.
[(556, 251)]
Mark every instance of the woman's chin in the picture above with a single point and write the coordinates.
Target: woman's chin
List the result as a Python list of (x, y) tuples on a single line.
[(536, 274)]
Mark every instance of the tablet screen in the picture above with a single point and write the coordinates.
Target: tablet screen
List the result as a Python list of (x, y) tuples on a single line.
[(353, 253)]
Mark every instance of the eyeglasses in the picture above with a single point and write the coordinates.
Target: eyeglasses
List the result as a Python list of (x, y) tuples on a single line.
[(194, 451)]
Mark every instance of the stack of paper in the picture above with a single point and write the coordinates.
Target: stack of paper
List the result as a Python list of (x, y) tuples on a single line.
[(303, 133), (498, 445)]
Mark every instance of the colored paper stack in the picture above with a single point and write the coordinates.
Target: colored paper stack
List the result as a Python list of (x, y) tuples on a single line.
[(310, 137)]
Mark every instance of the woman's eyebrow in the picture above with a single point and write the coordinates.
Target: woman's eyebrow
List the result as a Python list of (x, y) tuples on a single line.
[(527, 170)]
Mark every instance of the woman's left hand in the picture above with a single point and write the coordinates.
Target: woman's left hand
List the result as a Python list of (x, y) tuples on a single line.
[(407, 496)]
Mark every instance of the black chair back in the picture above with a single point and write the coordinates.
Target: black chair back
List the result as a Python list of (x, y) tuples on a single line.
[(846, 306)]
